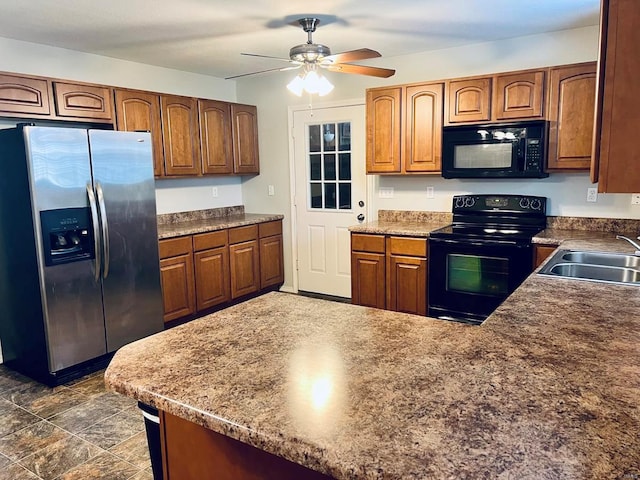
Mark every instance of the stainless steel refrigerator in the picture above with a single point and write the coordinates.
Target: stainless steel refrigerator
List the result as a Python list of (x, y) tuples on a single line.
[(79, 269)]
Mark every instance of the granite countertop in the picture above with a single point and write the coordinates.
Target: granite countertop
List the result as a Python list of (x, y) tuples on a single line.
[(547, 387), (406, 228), (203, 225)]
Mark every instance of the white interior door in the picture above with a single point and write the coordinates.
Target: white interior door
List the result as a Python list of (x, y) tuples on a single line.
[(330, 194)]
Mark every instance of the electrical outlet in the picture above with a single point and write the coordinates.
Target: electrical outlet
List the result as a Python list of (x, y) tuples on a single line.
[(271, 190), (214, 191), (635, 199), (429, 192), (592, 194), (385, 192)]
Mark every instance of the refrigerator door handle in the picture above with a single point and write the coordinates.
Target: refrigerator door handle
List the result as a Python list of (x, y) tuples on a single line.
[(105, 230), (96, 232)]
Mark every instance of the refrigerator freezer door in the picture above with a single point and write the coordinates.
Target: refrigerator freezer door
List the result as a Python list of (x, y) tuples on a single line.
[(59, 170), (122, 165)]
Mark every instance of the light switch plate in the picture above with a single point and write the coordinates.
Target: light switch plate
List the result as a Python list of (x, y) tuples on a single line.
[(429, 192), (385, 192), (271, 190)]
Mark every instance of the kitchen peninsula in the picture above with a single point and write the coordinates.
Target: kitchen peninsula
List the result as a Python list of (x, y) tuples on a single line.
[(547, 387)]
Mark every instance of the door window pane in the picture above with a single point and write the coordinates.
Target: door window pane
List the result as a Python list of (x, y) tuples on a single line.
[(314, 138), (330, 195), (329, 136), (329, 166), (315, 167), (316, 195), (344, 172), (344, 136), (344, 190)]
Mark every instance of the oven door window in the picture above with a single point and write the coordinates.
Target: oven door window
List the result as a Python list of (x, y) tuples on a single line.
[(478, 274), (486, 155)]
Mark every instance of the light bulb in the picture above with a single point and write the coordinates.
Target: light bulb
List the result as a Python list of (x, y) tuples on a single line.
[(296, 85), (311, 82)]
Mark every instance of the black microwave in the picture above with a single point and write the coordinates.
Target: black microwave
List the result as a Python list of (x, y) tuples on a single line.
[(495, 151)]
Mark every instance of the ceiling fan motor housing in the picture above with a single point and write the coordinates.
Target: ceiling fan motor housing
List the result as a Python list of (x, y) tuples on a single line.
[(309, 52)]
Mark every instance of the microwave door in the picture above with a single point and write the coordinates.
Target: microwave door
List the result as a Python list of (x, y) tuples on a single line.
[(487, 158)]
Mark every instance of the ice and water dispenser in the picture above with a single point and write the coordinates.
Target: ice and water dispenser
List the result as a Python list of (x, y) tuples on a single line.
[(67, 235)]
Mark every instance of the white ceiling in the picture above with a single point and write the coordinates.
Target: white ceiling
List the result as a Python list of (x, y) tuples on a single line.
[(207, 36)]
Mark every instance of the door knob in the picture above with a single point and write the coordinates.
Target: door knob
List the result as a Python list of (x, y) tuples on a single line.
[(360, 217), (361, 203)]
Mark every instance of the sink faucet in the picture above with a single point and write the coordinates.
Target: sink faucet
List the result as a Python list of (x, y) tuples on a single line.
[(635, 244)]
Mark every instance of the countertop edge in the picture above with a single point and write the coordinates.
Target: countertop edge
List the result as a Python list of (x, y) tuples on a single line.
[(181, 229)]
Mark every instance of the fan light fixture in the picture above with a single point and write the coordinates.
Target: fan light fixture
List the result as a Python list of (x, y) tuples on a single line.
[(311, 82)]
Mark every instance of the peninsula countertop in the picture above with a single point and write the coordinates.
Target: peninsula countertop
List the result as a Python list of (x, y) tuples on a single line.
[(547, 387)]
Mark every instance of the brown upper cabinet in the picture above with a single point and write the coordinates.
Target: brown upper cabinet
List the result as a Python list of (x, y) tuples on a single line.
[(572, 94), (24, 95), (140, 111), (500, 97), (84, 102), (404, 129), (616, 163), (244, 128), (228, 138), (469, 100), (215, 136), (180, 135)]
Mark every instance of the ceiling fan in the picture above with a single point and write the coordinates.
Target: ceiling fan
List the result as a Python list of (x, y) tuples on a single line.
[(311, 55)]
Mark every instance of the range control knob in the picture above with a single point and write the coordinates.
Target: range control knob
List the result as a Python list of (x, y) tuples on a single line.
[(469, 202), (459, 202), (524, 203), (536, 204)]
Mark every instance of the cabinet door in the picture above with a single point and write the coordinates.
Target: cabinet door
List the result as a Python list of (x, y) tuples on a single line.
[(244, 259), (572, 95), (519, 95), (140, 111), (212, 277), (23, 95), (383, 130), (271, 261), (469, 100), (368, 279), (83, 101), (178, 291), (180, 136), (215, 136), (619, 102), (407, 284), (422, 130), (245, 138)]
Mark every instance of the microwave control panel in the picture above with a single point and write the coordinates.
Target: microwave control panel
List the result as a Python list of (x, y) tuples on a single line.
[(533, 155)]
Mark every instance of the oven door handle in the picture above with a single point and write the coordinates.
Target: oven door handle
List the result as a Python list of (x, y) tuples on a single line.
[(481, 243)]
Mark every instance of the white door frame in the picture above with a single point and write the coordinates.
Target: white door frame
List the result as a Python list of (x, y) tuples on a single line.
[(369, 184)]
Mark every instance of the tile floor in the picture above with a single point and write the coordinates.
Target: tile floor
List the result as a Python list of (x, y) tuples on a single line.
[(77, 431)]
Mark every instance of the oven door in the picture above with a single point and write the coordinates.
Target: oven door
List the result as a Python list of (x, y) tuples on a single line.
[(469, 279)]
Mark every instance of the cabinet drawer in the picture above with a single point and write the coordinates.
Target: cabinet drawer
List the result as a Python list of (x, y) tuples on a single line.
[(414, 247), (175, 246), (243, 234), (367, 243), (205, 241), (268, 229)]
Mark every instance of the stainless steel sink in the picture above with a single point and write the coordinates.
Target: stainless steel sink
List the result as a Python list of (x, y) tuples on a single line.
[(603, 258), (594, 266)]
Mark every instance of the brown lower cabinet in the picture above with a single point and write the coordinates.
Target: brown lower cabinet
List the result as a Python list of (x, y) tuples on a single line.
[(192, 452), (177, 277), (407, 274), (541, 253), (205, 270), (389, 272)]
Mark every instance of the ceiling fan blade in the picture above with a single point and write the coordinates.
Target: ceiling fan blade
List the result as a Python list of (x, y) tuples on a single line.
[(352, 56), (265, 56), (263, 71), (361, 70)]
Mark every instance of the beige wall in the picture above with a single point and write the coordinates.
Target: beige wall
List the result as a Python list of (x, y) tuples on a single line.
[(567, 192)]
